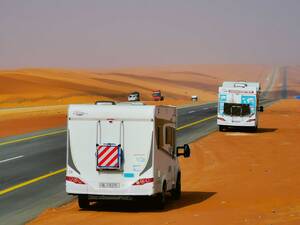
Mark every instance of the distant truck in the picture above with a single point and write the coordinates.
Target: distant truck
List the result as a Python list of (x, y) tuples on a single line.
[(134, 96), (123, 152), (157, 96), (238, 105)]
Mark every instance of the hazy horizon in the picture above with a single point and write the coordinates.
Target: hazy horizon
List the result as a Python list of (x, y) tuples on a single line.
[(133, 33)]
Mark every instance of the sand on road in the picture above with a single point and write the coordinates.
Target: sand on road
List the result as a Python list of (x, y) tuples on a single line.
[(231, 178)]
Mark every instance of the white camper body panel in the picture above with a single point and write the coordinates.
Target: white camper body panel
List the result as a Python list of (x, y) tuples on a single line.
[(238, 103), (136, 129), (166, 165)]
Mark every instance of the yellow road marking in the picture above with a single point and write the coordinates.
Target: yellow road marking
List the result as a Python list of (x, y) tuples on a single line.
[(32, 137), (196, 122), (31, 181)]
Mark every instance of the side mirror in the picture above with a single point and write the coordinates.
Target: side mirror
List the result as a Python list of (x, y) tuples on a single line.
[(186, 151), (261, 108)]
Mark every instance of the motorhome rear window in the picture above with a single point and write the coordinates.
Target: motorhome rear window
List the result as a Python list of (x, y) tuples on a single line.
[(234, 109)]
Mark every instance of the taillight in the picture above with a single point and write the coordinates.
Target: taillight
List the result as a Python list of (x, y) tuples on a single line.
[(143, 181), (74, 180), (220, 118)]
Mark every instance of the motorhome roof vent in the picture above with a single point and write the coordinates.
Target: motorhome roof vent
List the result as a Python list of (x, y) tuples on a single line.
[(130, 103), (105, 103), (242, 85)]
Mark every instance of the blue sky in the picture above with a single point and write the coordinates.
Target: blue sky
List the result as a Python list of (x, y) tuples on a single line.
[(117, 33)]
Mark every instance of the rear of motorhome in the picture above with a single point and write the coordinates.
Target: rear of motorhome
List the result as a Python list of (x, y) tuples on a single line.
[(238, 105), (122, 152)]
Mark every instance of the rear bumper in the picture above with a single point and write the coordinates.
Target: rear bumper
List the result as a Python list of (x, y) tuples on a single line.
[(237, 124), (116, 197), (128, 190), (244, 123)]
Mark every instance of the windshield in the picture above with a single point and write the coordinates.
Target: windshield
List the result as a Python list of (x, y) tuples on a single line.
[(234, 109)]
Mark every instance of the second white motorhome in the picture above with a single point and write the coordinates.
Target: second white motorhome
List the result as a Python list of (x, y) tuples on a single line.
[(122, 151), (238, 105)]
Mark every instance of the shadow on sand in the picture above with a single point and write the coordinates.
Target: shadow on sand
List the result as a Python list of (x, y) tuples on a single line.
[(146, 205), (266, 130), (247, 130)]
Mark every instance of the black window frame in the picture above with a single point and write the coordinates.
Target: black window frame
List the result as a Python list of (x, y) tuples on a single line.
[(245, 109)]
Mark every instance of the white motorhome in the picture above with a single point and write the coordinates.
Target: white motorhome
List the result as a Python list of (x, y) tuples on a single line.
[(134, 96), (238, 105), (122, 151)]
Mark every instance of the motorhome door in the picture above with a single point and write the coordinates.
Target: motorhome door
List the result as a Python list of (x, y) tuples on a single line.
[(236, 112), (109, 132), (109, 145)]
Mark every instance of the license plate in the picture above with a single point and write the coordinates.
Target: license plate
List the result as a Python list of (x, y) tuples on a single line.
[(109, 185)]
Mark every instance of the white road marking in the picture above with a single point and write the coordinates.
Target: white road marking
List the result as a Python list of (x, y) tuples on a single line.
[(6, 160), (192, 111)]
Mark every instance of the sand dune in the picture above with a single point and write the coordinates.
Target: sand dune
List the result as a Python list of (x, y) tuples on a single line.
[(33, 87)]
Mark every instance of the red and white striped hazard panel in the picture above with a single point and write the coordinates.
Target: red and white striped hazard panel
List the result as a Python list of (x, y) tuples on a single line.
[(108, 157)]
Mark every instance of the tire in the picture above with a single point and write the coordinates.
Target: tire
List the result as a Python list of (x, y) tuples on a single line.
[(254, 129), (176, 193), (221, 128), (83, 202), (160, 200)]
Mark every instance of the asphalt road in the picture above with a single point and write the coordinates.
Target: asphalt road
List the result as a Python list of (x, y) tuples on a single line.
[(197, 121), (30, 159), (25, 161), (24, 189), (271, 79), (284, 90)]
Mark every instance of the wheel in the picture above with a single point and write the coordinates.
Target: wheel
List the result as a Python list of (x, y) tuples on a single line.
[(254, 129), (221, 128), (176, 193), (161, 198), (83, 201)]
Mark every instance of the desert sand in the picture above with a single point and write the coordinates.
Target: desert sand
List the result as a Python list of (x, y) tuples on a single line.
[(35, 99), (231, 178), (36, 87), (15, 121)]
